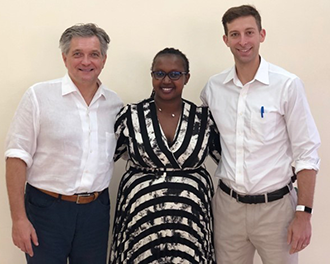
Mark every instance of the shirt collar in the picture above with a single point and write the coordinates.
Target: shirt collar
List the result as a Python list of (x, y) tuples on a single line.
[(69, 87), (261, 75)]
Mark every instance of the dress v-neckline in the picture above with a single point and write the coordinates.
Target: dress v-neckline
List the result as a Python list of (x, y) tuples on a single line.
[(177, 130), (168, 144)]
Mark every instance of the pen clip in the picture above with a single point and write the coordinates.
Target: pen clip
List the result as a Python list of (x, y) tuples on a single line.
[(262, 111)]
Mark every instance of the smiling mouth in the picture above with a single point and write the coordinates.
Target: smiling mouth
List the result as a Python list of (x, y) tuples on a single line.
[(244, 50), (167, 89), (86, 70)]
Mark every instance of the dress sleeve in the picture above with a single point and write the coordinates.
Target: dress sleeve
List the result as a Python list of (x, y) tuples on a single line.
[(121, 132), (214, 141)]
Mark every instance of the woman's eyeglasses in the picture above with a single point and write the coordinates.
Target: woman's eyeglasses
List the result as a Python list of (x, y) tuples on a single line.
[(173, 75)]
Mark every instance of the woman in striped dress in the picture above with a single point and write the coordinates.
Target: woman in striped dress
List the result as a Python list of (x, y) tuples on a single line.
[(163, 212)]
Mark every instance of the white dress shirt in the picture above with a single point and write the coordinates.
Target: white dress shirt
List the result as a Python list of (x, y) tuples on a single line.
[(67, 145), (265, 126)]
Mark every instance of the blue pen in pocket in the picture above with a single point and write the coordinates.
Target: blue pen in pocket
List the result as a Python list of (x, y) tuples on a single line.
[(262, 111)]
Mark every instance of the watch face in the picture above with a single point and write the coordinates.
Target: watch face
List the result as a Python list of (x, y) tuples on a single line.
[(308, 209)]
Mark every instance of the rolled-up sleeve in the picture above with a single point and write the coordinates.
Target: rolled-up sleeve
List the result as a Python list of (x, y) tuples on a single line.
[(304, 136), (21, 139)]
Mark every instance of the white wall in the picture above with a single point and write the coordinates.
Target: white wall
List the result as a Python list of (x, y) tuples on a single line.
[(298, 39)]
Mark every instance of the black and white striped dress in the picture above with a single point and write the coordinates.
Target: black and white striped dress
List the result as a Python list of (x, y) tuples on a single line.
[(163, 212)]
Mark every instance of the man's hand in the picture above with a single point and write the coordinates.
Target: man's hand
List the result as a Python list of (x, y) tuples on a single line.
[(299, 232), (300, 229), (22, 233)]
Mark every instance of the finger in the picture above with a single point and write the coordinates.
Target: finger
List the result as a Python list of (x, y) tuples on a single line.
[(292, 250), (294, 246), (300, 246), (21, 246), (28, 249), (289, 238), (34, 238), (308, 241), (24, 248), (304, 245)]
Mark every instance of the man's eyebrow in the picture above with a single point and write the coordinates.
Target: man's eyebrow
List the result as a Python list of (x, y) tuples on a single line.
[(96, 50), (235, 30)]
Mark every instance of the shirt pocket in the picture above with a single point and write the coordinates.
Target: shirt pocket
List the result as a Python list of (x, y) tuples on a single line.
[(110, 141), (263, 128)]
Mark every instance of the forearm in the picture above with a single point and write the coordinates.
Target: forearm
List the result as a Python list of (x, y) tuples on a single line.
[(300, 230), (306, 185), (16, 178)]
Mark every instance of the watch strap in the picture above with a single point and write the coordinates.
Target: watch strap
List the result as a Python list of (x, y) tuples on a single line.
[(303, 208)]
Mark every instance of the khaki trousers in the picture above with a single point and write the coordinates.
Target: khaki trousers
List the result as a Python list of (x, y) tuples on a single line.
[(241, 229)]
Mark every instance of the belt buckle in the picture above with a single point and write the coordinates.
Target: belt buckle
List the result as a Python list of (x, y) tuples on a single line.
[(231, 193), (237, 198), (82, 195)]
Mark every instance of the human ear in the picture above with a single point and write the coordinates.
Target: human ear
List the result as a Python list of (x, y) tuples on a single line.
[(225, 39), (262, 35), (64, 57), (104, 60), (187, 78)]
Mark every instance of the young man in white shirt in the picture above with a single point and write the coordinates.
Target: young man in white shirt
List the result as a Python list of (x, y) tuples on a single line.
[(59, 152), (265, 126)]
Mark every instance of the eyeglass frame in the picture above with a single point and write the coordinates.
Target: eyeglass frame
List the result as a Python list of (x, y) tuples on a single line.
[(167, 74)]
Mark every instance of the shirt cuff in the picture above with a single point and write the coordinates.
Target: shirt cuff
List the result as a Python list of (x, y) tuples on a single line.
[(20, 154), (304, 165)]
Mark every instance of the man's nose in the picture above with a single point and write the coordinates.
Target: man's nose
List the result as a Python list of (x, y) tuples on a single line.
[(243, 40), (86, 60)]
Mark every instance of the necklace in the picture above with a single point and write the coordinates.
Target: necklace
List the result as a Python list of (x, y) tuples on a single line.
[(160, 110)]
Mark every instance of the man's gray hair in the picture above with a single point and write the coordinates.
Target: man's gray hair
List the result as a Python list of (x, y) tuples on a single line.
[(84, 31)]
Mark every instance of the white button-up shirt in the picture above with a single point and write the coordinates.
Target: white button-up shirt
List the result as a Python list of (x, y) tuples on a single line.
[(67, 145), (265, 127)]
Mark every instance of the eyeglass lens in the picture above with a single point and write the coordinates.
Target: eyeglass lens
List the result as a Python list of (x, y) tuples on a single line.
[(173, 75)]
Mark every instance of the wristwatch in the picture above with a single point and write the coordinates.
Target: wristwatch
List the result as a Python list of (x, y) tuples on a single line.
[(303, 208)]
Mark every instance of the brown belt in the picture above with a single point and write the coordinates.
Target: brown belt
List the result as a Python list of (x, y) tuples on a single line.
[(83, 198)]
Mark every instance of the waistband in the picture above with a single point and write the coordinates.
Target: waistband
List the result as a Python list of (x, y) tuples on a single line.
[(82, 198), (163, 170), (255, 199)]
